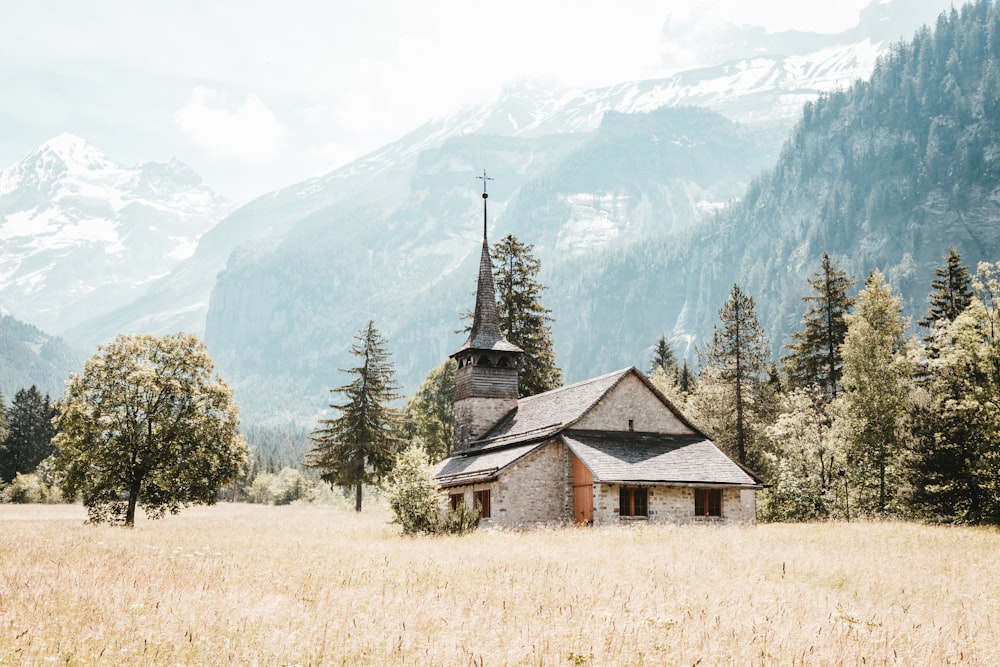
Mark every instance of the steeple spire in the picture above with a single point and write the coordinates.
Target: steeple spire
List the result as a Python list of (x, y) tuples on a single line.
[(486, 377)]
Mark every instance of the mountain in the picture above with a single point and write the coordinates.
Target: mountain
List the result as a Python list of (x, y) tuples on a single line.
[(30, 357), (885, 175), (82, 234), (610, 185)]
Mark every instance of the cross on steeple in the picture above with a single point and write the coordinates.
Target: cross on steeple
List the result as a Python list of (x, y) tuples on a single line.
[(484, 178)]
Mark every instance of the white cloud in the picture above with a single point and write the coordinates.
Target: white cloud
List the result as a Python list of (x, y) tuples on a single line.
[(245, 130)]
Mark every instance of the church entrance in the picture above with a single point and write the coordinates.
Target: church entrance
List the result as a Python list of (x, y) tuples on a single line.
[(583, 492)]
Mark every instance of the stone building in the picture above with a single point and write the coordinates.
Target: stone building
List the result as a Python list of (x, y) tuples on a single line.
[(607, 450)]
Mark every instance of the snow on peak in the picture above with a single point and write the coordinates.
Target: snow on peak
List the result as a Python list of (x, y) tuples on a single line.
[(74, 152)]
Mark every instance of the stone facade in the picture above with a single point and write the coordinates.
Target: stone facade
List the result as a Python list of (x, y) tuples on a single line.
[(475, 416), (673, 504), (538, 490), (628, 407)]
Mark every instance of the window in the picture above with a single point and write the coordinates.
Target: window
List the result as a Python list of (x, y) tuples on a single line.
[(631, 424), (633, 501), (456, 500), (483, 500), (708, 502)]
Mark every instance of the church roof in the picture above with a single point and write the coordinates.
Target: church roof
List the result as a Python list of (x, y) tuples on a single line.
[(485, 333), (611, 456), (655, 457)]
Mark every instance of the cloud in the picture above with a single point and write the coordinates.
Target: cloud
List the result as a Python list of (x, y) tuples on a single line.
[(245, 130)]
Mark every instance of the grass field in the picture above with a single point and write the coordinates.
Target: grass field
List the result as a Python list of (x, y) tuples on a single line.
[(258, 585)]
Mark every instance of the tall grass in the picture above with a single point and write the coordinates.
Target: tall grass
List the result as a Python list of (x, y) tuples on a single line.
[(258, 585)]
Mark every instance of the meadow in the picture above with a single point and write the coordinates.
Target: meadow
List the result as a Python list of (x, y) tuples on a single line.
[(259, 585)]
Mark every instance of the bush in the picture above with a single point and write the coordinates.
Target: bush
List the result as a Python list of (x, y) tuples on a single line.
[(288, 486), (30, 489), (415, 502)]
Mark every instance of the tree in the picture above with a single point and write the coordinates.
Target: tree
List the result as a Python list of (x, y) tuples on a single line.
[(30, 437), (413, 493), (956, 422), (359, 447), (814, 358), (663, 358), (147, 423), (736, 360), (430, 418), (523, 319), (952, 293), (876, 381), (4, 433)]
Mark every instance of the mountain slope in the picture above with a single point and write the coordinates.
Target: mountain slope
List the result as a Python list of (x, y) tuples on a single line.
[(30, 357), (81, 234)]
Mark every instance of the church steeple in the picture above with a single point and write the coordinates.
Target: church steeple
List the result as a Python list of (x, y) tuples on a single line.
[(486, 378)]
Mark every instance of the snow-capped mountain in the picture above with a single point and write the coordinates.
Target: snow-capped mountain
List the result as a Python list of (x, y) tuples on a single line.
[(81, 234)]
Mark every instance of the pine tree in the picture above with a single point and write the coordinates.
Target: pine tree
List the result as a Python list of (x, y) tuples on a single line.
[(523, 319), (359, 446), (686, 379), (876, 381), (663, 358), (5, 457), (952, 293), (736, 359), (814, 357), (31, 432)]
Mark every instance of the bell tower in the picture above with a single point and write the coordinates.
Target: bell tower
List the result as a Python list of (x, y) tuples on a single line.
[(486, 378)]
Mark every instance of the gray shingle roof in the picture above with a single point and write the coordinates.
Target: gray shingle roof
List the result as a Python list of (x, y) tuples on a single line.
[(466, 469), (655, 457), (485, 333), (549, 412)]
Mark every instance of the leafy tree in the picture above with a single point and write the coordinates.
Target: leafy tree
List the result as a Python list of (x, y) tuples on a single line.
[(147, 423), (359, 446), (523, 319), (876, 381), (736, 360), (430, 418), (30, 434), (802, 460), (956, 421), (663, 358), (814, 357), (413, 493), (952, 293)]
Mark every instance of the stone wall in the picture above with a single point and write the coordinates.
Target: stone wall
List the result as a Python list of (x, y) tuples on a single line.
[(632, 400), (674, 504), (537, 489), (475, 416)]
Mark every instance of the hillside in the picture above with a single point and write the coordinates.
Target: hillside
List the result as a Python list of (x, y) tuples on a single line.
[(30, 357)]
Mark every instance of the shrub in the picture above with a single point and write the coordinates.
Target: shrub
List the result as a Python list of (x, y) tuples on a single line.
[(30, 489), (415, 501)]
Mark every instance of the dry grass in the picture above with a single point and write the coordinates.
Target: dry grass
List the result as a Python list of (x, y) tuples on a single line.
[(261, 585)]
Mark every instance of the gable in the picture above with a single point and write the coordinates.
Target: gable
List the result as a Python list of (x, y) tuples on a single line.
[(632, 399)]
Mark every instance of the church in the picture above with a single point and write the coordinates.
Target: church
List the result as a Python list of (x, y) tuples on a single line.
[(609, 450)]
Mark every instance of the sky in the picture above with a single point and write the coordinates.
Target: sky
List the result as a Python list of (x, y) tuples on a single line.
[(255, 96)]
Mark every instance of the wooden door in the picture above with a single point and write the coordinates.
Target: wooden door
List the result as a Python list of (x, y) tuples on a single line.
[(583, 492)]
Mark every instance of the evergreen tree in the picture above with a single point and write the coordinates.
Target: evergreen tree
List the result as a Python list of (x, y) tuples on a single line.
[(430, 417), (5, 457), (663, 358), (876, 381), (952, 293), (814, 357), (686, 379), (359, 446), (736, 360), (30, 434), (523, 319)]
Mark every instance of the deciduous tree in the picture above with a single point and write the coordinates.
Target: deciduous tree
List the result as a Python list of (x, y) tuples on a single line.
[(876, 381), (430, 417), (359, 447), (147, 422)]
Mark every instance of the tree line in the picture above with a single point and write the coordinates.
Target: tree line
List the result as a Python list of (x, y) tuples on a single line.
[(857, 418)]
